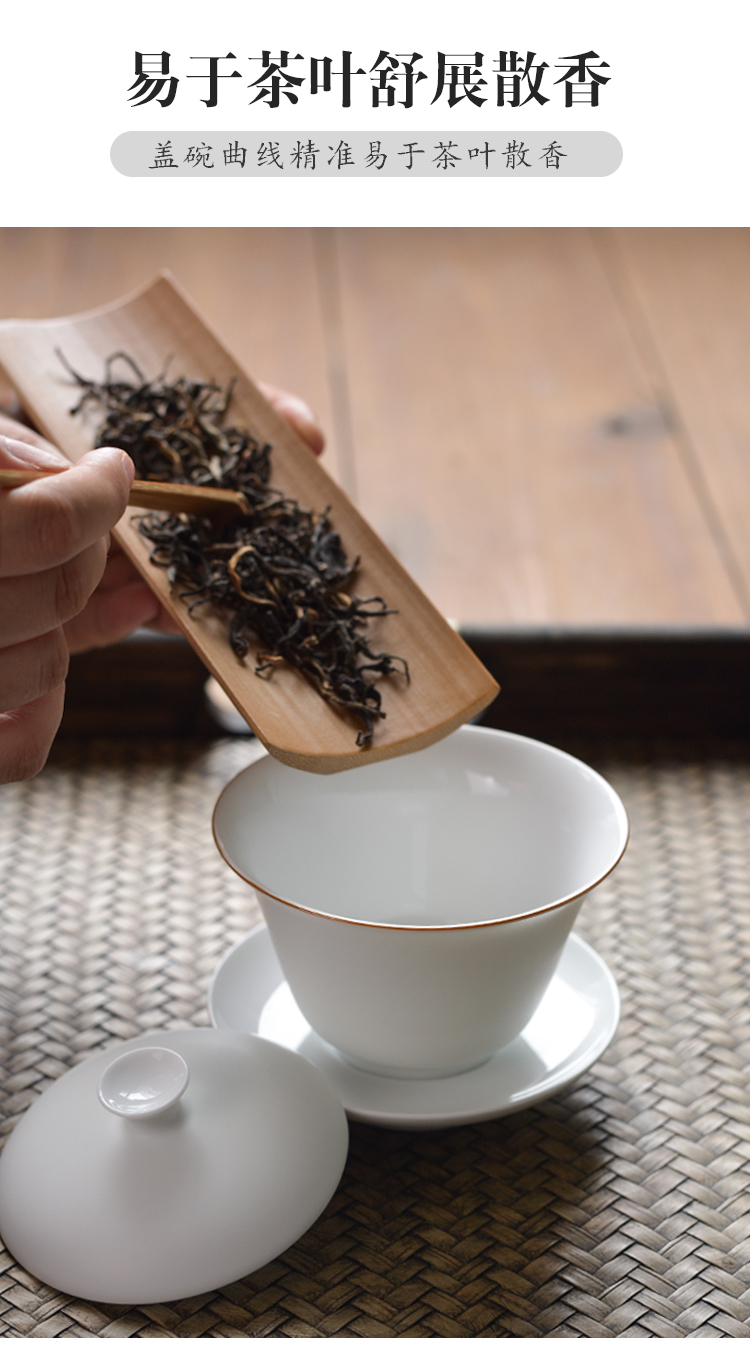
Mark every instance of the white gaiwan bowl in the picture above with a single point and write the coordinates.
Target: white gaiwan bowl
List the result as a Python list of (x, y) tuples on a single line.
[(419, 906)]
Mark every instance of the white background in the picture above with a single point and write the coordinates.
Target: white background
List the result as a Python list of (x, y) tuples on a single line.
[(677, 100)]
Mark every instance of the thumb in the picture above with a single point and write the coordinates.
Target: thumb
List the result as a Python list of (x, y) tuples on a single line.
[(21, 454)]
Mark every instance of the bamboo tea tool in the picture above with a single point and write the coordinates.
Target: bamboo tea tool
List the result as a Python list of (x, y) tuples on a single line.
[(176, 497), (448, 684)]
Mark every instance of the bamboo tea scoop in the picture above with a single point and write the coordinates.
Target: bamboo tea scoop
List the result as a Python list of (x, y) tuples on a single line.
[(448, 684), (176, 497)]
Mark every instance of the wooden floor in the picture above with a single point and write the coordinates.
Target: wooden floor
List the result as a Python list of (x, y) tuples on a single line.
[(549, 427)]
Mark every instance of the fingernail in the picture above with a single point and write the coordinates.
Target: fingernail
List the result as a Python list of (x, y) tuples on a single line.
[(25, 454), (304, 421), (128, 465), (301, 408), (123, 459)]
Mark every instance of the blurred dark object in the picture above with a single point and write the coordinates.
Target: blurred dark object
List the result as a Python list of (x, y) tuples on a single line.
[(149, 684), (559, 685), (666, 685)]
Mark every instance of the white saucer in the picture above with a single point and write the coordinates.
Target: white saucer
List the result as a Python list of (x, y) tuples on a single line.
[(572, 1027)]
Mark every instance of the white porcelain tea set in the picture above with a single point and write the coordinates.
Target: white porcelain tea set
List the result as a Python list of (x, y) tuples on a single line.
[(417, 969)]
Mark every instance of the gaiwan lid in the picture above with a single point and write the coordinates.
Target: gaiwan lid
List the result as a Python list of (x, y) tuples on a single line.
[(170, 1165)]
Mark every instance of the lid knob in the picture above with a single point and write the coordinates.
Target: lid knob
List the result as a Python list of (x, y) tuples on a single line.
[(143, 1082)]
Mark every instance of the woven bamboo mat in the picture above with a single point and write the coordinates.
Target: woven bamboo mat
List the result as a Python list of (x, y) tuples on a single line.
[(619, 1208)]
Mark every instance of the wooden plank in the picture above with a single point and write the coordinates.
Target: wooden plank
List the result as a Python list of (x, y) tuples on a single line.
[(519, 500), (691, 289), (448, 684), (258, 287), (510, 447)]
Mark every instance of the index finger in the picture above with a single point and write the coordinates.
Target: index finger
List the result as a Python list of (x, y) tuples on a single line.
[(46, 523), (296, 412)]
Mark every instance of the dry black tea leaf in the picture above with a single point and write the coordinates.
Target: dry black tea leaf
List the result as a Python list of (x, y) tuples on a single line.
[(279, 574)]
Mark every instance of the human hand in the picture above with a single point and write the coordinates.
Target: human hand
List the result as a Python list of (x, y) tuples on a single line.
[(122, 600), (84, 613), (53, 551)]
